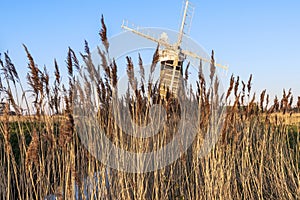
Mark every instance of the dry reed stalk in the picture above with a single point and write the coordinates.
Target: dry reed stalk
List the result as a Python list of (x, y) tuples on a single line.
[(8, 150), (32, 153), (257, 161)]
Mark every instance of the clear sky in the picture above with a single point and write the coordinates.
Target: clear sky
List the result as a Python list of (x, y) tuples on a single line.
[(259, 37)]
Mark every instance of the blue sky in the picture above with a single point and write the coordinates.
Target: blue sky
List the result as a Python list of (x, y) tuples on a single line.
[(254, 37)]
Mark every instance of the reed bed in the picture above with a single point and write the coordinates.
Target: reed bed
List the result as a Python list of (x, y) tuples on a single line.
[(257, 155)]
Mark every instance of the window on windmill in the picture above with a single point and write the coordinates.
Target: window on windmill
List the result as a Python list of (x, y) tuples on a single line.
[(168, 65), (169, 62)]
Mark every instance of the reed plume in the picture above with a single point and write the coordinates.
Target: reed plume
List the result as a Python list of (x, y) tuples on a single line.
[(236, 86), (186, 73), (262, 98), (69, 63), (33, 77), (155, 60), (284, 101), (267, 102), (291, 102), (104, 63), (230, 87), (103, 34), (275, 107), (114, 76), (10, 70), (56, 73), (74, 58), (249, 85), (212, 66), (45, 80), (200, 73), (243, 92), (130, 74), (142, 69)]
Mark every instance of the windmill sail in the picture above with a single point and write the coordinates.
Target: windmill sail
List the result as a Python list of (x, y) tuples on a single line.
[(171, 57)]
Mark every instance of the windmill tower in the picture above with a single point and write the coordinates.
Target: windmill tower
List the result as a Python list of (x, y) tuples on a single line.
[(172, 56)]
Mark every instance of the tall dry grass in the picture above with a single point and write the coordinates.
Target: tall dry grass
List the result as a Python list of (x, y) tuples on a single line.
[(256, 157)]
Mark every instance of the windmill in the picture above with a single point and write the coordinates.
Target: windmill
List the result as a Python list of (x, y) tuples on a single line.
[(172, 56)]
